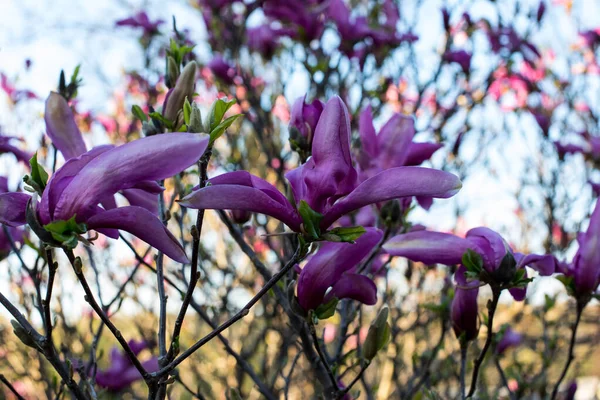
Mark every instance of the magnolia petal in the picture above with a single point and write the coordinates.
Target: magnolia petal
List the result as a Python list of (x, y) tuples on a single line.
[(330, 262), (394, 140), (492, 247), (61, 127), (420, 152), (544, 264), (142, 223), (356, 287), (238, 197), (150, 158), (142, 198), (392, 184), (13, 208), (61, 178), (366, 130), (428, 247)]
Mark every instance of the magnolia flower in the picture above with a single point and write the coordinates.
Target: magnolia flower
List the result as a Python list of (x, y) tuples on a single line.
[(585, 266), (498, 260), (327, 182), (75, 190), (332, 266), (464, 309), (303, 121), (392, 147), (510, 338), (306, 17), (122, 373), (589, 148), (264, 39), (222, 69), (460, 57), (141, 20), (7, 147), (66, 137)]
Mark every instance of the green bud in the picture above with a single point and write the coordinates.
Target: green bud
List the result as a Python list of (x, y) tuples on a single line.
[(311, 220), (378, 335), (22, 334), (507, 269), (195, 123), (172, 72)]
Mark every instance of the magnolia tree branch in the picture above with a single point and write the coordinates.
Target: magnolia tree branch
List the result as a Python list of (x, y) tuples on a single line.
[(571, 355), (241, 314), (492, 304), (89, 297), (11, 387)]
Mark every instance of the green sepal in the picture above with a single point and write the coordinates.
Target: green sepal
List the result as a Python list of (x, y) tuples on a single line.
[(311, 220), (327, 310), (472, 261), (187, 111), (159, 117), (38, 174), (344, 234), (66, 232)]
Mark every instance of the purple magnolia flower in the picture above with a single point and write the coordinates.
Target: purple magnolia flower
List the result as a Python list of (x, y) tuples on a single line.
[(17, 233), (66, 137), (460, 57), (61, 127), (443, 248), (332, 266), (304, 118), (327, 182), (264, 39), (306, 16), (122, 373), (510, 338), (585, 266), (351, 30), (464, 309), (76, 189), (7, 147), (571, 390), (392, 147), (589, 148), (141, 20), (222, 69)]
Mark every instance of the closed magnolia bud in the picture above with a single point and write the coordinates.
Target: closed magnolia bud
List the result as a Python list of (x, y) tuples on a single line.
[(506, 270), (303, 122), (22, 334), (195, 124), (172, 72), (464, 314), (183, 88), (378, 335), (240, 216)]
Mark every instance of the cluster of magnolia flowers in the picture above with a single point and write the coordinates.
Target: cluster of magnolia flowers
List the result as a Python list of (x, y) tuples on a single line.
[(347, 207)]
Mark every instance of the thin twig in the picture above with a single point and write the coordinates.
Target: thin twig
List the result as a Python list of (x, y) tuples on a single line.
[(571, 356), (10, 387), (493, 303), (241, 314), (323, 359)]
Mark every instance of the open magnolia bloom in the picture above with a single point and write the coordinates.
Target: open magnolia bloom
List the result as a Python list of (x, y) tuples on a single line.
[(326, 187), (332, 267), (66, 137), (69, 199), (583, 272), (483, 252)]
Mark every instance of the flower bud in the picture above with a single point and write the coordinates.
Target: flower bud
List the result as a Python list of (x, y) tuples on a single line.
[(464, 314), (506, 270), (183, 88), (195, 124), (22, 334), (172, 72), (378, 335), (303, 121), (510, 338)]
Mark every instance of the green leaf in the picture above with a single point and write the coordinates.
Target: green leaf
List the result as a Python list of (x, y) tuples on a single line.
[(158, 116), (472, 261), (187, 111), (311, 220), (344, 234), (327, 310), (222, 127), (216, 113), (138, 113), (38, 174)]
